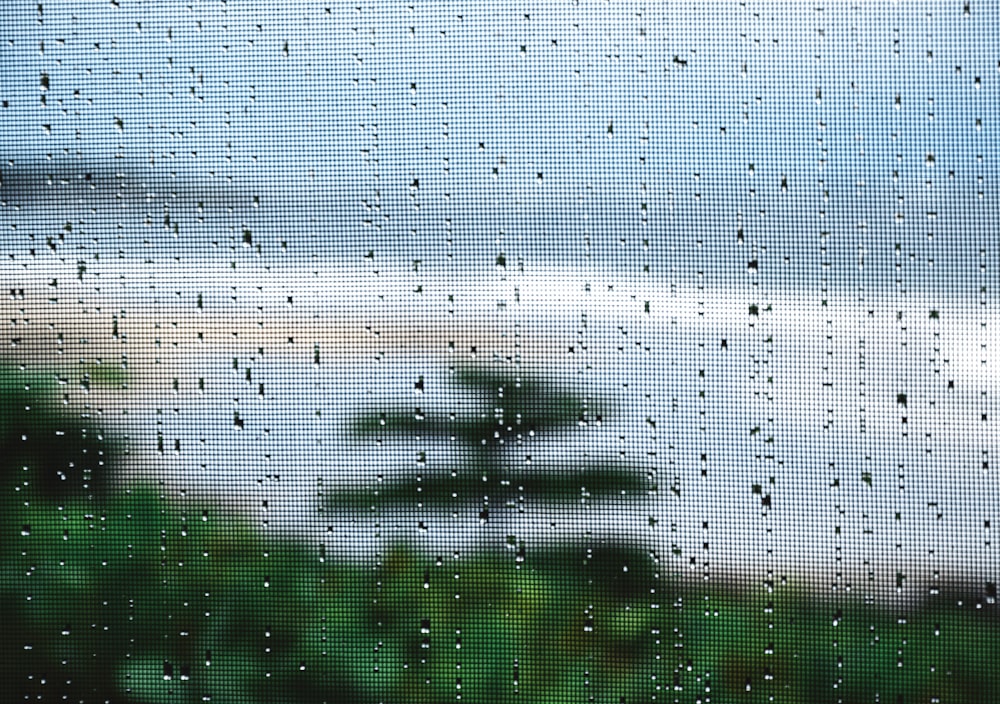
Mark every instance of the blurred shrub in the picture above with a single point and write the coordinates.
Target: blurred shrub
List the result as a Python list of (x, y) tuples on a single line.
[(46, 449)]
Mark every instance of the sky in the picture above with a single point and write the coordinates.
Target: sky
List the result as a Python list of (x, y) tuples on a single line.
[(611, 133)]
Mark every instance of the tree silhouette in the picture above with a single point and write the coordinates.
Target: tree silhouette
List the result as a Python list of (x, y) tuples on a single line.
[(497, 465)]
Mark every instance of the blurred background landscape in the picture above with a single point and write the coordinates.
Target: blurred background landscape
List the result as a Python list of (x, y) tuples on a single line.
[(415, 353)]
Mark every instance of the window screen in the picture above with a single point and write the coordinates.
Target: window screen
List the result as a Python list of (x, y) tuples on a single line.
[(499, 351)]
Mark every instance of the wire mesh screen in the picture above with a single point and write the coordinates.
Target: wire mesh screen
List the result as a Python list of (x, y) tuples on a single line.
[(499, 351)]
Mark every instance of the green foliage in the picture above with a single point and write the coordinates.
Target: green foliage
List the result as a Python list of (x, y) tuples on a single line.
[(137, 598), (150, 601), (42, 444)]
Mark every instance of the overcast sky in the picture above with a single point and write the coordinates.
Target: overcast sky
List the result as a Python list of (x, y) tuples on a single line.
[(540, 130)]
